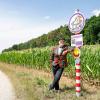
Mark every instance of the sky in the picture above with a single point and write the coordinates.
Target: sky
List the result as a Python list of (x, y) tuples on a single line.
[(22, 20)]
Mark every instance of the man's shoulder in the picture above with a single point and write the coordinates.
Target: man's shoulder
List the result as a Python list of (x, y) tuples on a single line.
[(65, 46), (54, 47)]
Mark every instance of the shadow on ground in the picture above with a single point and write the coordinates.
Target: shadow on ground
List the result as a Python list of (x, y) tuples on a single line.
[(72, 89)]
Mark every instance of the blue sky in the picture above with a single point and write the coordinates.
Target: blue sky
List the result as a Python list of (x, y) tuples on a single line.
[(21, 20)]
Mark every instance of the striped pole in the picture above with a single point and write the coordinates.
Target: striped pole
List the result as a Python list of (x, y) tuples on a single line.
[(76, 54), (78, 78), (77, 42)]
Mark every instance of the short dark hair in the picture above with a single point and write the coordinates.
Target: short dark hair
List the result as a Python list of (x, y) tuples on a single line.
[(62, 39)]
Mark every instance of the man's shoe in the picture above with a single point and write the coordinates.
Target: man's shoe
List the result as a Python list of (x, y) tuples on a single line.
[(50, 87)]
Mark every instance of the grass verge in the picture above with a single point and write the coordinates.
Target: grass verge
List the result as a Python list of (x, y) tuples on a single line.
[(32, 84)]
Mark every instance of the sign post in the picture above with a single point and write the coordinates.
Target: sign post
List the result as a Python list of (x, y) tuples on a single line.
[(76, 25)]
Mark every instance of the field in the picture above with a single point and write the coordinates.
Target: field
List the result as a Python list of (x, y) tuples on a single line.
[(38, 58), (30, 73)]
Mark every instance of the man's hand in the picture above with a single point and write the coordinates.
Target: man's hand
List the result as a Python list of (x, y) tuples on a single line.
[(71, 49), (65, 52)]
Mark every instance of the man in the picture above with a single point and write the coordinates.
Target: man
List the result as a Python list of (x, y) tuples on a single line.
[(58, 62)]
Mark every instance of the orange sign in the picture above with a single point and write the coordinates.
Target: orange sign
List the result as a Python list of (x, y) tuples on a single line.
[(76, 52)]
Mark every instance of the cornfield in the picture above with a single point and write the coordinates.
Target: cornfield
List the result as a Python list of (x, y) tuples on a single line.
[(39, 58)]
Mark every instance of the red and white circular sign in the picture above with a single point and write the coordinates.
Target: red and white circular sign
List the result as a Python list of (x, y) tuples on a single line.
[(76, 23)]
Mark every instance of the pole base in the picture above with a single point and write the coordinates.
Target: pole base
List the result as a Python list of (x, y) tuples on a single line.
[(78, 94)]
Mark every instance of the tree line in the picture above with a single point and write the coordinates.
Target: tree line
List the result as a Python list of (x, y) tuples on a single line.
[(91, 35)]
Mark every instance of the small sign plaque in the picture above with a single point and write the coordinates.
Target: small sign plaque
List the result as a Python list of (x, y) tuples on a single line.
[(77, 40)]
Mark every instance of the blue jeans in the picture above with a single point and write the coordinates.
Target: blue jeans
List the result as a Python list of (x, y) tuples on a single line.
[(57, 72)]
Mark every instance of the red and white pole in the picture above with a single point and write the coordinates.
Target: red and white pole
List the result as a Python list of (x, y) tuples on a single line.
[(78, 77), (76, 54), (76, 26)]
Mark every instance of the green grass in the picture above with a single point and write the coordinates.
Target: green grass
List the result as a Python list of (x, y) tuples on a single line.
[(38, 58), (30, 84)]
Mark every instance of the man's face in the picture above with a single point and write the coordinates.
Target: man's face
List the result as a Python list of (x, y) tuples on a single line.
[(61, 43)]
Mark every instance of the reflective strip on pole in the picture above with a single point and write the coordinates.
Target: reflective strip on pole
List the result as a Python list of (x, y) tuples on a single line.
[(78, 78)]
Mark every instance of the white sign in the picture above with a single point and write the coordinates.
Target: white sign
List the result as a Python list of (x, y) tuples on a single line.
[(77, 40), (76, 23)]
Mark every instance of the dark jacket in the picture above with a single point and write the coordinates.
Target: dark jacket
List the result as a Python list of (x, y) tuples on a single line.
[(58, 56)]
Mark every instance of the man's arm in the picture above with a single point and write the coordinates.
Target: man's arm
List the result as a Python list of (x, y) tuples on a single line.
[(68, 50), (51, 56)]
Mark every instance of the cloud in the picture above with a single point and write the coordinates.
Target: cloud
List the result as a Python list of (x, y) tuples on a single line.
[(96, 12), (14, 31), (47, 17)]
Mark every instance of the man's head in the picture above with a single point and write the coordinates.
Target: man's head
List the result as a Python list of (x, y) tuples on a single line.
[(61, 42)]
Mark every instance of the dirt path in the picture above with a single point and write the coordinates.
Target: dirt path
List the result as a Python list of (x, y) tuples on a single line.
[(6, 89)]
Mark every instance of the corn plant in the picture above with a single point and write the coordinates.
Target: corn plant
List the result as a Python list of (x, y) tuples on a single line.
[(38, 58)]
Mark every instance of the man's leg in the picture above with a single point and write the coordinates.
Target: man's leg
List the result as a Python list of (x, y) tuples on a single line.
[(55, 83), (56, 86), (54, 69), (58, 76)]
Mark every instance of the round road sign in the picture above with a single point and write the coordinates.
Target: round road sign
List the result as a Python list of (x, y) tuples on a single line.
[(76, 23)]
